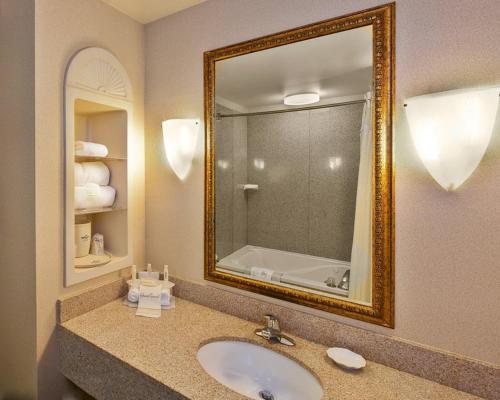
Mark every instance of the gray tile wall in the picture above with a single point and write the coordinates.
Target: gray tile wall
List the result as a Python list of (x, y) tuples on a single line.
[(230, 171), (307, 186), (332, 188), (278, 212), (306, 166), (239, 178)]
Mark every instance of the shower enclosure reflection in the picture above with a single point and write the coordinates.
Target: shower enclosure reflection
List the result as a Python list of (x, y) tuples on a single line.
[(293, 183)]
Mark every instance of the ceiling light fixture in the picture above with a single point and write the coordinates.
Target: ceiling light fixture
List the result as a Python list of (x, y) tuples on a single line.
[(301, 99)]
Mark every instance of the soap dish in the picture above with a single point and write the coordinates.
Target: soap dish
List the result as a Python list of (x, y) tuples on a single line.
[(91, 261), (346, 358)]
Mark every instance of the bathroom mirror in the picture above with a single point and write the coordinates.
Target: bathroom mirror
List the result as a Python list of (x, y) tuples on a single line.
[(299, 174)]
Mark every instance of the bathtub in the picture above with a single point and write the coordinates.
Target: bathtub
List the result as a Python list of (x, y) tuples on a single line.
[(289, 268)]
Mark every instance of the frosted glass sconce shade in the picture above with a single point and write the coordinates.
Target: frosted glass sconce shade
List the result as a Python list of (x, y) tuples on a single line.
[(179, 138), (451, 131)]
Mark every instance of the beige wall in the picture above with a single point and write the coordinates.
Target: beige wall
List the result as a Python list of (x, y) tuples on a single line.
[(62, 28), (447, 252), (17, 200)]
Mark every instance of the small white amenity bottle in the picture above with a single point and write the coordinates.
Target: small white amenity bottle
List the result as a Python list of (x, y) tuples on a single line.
[(165, 272), (134, 273)]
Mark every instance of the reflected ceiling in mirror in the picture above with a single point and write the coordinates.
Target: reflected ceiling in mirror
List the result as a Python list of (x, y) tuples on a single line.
[(333, 66)]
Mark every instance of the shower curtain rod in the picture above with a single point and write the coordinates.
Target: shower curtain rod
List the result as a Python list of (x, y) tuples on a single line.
[(344, 103)]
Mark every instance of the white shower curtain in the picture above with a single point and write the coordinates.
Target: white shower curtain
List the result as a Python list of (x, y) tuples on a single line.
[(360, 285)]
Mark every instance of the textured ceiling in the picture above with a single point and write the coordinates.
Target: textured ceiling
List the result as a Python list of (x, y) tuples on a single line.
[(146, 11)]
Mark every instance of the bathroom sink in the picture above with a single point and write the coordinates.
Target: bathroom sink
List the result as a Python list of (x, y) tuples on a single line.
[(257, 372)]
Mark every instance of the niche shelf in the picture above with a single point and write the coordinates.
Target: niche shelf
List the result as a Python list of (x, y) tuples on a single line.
[(104, 159), (88, 211), (98, 108)]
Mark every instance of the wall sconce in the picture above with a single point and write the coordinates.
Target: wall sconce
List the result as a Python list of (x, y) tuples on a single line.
[(179, 138), (451, 131)]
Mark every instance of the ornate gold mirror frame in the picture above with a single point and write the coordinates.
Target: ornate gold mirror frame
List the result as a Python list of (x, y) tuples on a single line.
[(381, 311)]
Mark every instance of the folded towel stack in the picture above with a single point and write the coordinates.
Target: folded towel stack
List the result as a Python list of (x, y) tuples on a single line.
[(91, 186), (89, 149)]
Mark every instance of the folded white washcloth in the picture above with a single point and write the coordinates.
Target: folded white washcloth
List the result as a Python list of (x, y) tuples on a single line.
[(94, 196), (90, 149), (96, 172), (261, 273), (133, 296), (80, 175)]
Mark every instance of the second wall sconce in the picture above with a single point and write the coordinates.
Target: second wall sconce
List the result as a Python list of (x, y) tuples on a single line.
[(179, 138), (451, 131)]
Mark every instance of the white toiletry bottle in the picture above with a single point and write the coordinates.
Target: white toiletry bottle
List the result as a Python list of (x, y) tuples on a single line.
[(97, 245)]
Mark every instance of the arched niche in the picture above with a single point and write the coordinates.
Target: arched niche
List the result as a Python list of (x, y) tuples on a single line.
[(98, 108)]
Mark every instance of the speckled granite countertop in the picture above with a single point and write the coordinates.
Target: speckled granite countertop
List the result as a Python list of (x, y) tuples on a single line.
[(113, 354)]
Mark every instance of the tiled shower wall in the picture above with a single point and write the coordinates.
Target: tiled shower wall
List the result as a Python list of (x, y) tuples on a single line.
[(307, 188), (230, 171), (306, 166)]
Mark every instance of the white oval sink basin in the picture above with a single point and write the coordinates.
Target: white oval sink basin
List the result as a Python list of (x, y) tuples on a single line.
[(257, 372)]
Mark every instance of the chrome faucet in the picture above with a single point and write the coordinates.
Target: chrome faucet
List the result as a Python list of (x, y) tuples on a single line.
[(272, 332)]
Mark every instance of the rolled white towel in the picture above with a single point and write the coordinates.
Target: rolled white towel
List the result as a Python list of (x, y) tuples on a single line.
[(80, 175), (88, 196), (133, 294), (96, 172), (108, 195), (90, 149), (94, 196)]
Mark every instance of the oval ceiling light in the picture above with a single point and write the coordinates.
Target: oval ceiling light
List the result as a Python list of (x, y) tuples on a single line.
[(451, 131), (301, 99)]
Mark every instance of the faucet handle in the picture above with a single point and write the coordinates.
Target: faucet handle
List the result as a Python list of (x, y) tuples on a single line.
[(272, 322)]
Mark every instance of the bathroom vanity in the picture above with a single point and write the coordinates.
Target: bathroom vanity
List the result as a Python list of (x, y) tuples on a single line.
[(112, 354)]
